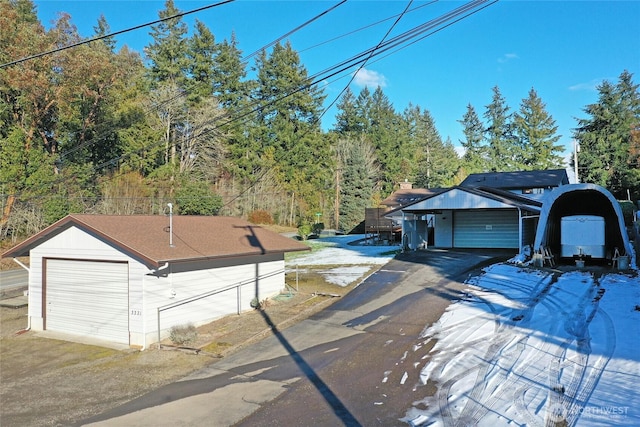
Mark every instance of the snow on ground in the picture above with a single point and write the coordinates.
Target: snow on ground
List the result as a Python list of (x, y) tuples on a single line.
[(352, 255), (522, 347), (529, 347)]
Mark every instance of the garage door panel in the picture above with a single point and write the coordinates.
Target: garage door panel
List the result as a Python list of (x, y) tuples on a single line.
[(486, 229), (88, 298)]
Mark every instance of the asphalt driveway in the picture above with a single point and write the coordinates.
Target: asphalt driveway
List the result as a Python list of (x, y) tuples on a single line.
[(325, 370)]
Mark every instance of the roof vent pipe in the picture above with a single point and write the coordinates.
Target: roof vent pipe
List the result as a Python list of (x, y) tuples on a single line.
[(170, 225)]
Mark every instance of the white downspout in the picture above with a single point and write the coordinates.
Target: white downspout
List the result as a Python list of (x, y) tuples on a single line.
[(21, 264)]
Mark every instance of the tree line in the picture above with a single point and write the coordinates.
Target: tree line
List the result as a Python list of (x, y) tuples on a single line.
[(193, 122)]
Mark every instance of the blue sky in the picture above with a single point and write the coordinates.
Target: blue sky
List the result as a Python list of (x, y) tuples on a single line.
[(562, 49)]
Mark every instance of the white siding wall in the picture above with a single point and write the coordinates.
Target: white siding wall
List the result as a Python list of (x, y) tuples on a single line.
[(184, 282)]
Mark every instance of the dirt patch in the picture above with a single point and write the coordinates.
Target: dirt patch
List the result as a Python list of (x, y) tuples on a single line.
[(49, 382)]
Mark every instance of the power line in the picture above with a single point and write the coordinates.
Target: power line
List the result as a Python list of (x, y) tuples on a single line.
[(298, 28), (396, 42), (315, 78), (353, 76), (183, 94), (137, 27)]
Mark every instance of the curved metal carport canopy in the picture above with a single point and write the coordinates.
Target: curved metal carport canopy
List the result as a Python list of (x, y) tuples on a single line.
[(581, 199)]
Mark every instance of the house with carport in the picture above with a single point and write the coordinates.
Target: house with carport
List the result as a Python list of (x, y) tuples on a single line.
[(487, 210), (129, 279)]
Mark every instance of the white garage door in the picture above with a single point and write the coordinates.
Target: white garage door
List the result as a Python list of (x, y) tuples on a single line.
[(88, 298)]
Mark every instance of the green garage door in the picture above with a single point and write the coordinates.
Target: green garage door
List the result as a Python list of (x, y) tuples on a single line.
[(497, 228), (88, 298)]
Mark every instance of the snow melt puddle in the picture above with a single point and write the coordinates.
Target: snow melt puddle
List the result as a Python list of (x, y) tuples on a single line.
[(528, 347)]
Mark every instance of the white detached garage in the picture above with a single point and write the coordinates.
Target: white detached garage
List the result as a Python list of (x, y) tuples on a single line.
[(111, 277)]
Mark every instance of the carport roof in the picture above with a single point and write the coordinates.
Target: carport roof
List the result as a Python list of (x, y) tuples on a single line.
[(498, 197), (146, 237)]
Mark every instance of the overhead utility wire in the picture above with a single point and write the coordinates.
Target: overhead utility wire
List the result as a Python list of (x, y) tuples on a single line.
[(137, 27), (399, 39), (373, 24), (349, 64), (353, 75), (437, 30), (299, 27), (311, 81), (456, 13), (181, 94)]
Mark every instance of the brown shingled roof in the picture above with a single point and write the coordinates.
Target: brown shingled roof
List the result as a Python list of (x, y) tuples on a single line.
[(407, 196), (146, 237)]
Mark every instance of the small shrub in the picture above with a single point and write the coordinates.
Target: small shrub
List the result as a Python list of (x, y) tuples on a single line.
[(260, 217), (304, 230), (183, 335), (259, 305)]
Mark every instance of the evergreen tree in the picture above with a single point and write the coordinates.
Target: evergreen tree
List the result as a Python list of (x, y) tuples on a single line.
[(535, 131), (196, 198), (168, 51), (348, 121), (383, 134), (233, 93), (363, 109), (474, 159), (606, 154), (501, 146), (438, 162), (357, 162), (229, 74), (288, 120), (101, 29), (200, 63)]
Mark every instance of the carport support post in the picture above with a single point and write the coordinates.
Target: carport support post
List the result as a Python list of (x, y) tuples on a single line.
[(520, 219)]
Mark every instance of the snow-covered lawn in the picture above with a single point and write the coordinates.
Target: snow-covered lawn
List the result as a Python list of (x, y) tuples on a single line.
[(346, 258), (523, 347), (527, 347)]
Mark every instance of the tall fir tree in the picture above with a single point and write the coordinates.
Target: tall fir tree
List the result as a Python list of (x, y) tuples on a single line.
[(536, 133), (348, 121), (384, 126), (363, 108), (167, 53), (438, 161), (200, 64), (606, 155), (233, 92), (474, 159), (289, 123), (102, 29), (500, 142)]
